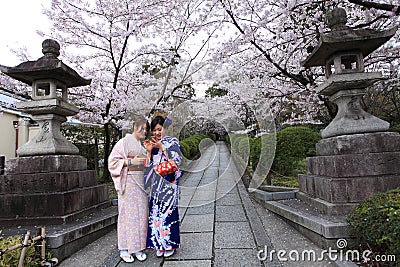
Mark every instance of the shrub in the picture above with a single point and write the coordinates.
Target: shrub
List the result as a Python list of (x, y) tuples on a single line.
[(239, 146), (213, 136), (243, 146), (255, 152), (235, 140), (375, 224), (226, 139), (190, 145), (185, 148), (293, 144), (395, 128), (268, 141), (32, 258)]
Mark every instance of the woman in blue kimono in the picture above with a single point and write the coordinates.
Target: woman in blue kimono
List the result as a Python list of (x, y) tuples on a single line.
[(163, 224)]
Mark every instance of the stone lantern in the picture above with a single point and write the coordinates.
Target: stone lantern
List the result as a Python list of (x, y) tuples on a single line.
[(342, 52), (49, 183), (356, 157), (50, 79)]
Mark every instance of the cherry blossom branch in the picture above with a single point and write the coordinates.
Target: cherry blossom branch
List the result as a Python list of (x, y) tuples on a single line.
[(298, 78), (381, 6)]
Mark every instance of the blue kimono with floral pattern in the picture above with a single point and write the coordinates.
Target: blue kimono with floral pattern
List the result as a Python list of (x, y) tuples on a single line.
[(163, 228)]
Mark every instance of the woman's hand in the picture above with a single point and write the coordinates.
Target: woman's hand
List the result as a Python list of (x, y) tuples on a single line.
[(148, 145), (156, 143)]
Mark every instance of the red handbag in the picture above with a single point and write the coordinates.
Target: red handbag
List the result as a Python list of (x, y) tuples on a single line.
[(166, 167)]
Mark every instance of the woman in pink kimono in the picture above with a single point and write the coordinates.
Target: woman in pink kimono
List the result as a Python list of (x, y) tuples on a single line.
[(126, 167)]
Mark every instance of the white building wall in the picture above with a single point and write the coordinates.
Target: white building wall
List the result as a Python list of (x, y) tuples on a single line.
[(7, 134)]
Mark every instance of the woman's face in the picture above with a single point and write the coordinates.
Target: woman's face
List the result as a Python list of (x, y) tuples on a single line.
[(158, 132), (140, 130)]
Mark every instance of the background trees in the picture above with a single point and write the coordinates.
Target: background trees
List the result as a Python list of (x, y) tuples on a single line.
[(271, 39), (131, 49)]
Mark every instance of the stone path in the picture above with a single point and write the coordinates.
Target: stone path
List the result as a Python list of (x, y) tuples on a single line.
[(220, 224)]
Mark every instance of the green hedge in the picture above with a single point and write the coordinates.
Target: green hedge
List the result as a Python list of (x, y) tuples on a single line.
[(375, 225), (395, 128), (293, 145), (190, 145), (269, 141)]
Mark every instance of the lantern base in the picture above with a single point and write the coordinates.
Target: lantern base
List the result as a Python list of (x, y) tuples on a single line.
[(351, 118), (49, 140)]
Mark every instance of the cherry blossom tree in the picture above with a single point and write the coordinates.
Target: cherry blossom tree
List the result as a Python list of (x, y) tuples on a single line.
[(272, 37), (136, 52)]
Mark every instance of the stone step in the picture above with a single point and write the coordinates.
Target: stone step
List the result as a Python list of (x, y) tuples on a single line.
[(51, 204), (51, 163), (321, 229), (46, 182)]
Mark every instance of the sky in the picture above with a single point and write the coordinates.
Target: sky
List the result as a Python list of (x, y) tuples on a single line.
[(19, 21)]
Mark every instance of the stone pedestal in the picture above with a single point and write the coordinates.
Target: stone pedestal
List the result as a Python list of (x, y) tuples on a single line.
[(49, 190), (58, 192), (346, 170), (350, 168)]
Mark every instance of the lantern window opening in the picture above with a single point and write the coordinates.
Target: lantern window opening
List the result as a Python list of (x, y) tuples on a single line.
[(344, 62), (49, 89), (349, 63), (42, 89)]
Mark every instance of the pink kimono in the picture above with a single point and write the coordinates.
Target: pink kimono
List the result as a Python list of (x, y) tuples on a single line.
[(132, 198)]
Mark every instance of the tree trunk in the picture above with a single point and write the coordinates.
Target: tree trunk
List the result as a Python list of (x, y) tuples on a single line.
[(268, 179), (106, 174), (96, 154)]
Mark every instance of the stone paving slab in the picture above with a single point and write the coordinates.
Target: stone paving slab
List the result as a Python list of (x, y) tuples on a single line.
[(187, 191), (151, 260), (211, 173), (204, 195), (233, 235), (198, 223), (236, 257), (194, 246), (184, 201), (228, 199), (224, 187), (199, 207), (182, 212), (230, 214), (209, 179), (190, 183), (197, 203), (226, 182), (223, 191), (212, 186), (189, 263)]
